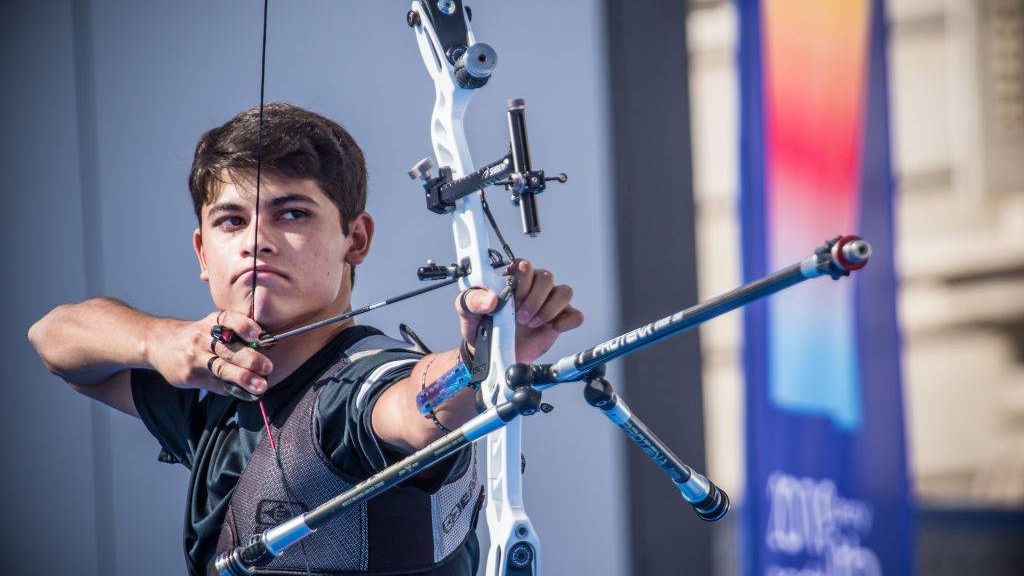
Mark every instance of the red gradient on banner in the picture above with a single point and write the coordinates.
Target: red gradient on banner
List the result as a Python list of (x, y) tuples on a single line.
[(815, 70)]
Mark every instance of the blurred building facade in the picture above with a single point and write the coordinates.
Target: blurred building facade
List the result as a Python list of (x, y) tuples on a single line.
[(957, 107)]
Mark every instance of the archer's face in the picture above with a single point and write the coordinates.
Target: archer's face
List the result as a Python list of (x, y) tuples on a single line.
[(303, 260)]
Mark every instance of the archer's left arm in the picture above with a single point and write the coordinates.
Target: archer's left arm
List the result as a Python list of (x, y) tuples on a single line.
[(543, 311)]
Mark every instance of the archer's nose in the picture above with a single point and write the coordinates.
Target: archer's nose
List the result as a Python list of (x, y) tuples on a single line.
[(261, 240)]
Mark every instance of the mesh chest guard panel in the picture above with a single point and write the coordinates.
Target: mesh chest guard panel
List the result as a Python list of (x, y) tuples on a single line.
[(402, 530)]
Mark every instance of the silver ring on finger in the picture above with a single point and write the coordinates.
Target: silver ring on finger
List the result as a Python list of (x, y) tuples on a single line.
[(213, 344)]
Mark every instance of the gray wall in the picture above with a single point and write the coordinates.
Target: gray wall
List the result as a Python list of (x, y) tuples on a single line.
[(654, 201), (101, 106)]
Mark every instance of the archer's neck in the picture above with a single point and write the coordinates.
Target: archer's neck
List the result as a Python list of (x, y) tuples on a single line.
[(290, 353)]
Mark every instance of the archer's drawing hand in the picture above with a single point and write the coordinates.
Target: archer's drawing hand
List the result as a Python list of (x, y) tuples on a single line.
[(543, 310), (182, 355)]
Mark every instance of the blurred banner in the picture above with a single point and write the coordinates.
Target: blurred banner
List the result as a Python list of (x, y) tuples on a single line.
[(826, 467)]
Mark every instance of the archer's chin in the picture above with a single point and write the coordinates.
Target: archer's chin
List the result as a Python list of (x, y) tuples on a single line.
[(272, 314)]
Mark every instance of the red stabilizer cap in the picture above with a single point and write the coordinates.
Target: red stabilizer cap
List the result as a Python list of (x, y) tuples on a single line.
[(841, 258)]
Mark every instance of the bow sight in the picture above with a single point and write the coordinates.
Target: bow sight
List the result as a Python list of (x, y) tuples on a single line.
[(513, 170)]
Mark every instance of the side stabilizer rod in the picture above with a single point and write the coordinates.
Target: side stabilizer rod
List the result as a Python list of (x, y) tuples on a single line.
[(710, 502)]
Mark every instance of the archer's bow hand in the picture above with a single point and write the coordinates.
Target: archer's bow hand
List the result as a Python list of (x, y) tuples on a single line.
[(188, 355), (543, 310)]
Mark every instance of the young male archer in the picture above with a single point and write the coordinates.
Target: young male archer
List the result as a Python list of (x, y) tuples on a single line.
[(340, 401)]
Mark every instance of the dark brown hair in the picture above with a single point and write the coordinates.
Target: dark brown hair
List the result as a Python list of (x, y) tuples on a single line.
[(296, 143)]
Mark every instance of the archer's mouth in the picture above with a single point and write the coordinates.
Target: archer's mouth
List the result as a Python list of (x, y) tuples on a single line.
[(262, 273)]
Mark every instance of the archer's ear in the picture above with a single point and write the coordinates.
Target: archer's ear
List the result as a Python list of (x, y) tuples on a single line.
[(197, 245), (360, 234)]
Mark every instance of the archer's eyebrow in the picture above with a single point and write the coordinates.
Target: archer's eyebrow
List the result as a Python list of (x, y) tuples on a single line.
[(231, 207), (293, 198), (224, 207)]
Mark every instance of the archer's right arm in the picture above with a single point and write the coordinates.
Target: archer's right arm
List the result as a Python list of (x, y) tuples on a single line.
[(93, 346)]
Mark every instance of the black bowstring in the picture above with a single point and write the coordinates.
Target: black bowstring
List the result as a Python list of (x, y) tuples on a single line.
[(255, 252), (259, 159)]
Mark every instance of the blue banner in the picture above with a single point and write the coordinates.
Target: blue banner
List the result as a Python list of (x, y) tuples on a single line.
[(826, 463)]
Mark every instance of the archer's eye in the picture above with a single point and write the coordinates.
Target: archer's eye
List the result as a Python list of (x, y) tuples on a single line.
[(294, 214), (229, 222)]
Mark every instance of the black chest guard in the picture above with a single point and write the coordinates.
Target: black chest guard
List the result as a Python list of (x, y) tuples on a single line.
[(403, 530)]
